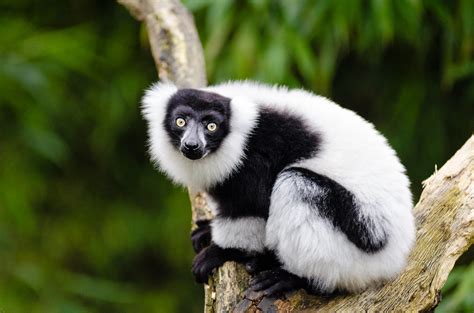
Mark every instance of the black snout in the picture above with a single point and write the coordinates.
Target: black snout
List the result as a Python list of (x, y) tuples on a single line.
[(192, 150), (191, 146)]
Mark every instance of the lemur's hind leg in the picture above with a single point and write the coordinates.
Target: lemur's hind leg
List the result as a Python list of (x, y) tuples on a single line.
[(319, 233)]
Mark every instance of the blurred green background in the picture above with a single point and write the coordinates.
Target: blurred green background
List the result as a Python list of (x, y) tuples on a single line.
[(86, 223)]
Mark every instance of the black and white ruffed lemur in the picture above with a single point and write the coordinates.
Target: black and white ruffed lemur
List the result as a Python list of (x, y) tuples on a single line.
[(307, 193)]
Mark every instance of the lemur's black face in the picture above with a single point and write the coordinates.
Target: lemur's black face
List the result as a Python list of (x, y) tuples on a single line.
[(197, 122)]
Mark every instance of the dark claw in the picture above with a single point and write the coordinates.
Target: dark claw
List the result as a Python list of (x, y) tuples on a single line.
[(277, 281), (262, 284), (278, 288), (201, 236)]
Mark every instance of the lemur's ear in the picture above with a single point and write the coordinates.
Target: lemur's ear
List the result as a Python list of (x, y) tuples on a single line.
[(155, 99)]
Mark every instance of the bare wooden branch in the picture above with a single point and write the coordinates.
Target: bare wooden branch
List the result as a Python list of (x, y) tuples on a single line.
[(173, 39), (444, 214)]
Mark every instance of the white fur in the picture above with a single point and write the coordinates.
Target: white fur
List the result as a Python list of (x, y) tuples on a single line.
[(352, 153), (247, 233)]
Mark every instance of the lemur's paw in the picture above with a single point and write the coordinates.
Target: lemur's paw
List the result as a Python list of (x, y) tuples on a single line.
[(276, 281), (205, 261), (262, 262), (201, 236)]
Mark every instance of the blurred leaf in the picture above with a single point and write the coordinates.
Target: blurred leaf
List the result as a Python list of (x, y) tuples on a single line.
[(275, 59), (304, 57), (382, 11), (461, 280)]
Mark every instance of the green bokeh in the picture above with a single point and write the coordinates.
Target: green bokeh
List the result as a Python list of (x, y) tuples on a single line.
[(87, 224)]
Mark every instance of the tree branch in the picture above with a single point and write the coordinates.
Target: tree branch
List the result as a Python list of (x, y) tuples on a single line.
[(173, 39), (444, 214)]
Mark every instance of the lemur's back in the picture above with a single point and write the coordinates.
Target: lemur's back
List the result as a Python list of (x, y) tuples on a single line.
[(351, 151)]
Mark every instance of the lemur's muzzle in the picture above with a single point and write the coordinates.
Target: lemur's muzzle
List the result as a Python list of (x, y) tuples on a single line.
[(193, 142)]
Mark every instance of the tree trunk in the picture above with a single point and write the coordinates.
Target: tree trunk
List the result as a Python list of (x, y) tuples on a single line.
[(444, 215)]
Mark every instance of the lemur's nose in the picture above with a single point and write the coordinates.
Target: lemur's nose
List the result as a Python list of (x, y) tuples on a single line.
[(191, 145)]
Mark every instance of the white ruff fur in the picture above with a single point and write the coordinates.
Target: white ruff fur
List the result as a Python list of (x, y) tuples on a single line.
[(352, 153)]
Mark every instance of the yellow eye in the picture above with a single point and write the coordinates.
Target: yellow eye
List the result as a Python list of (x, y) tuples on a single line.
[(180, 122), (211, 127)]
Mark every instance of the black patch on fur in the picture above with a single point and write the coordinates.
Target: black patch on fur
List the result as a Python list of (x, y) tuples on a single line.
[(338, 205), (278, 140), (202, 106)]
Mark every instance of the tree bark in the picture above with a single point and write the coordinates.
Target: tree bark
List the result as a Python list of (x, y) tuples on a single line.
[(174, 41), (444, 215)]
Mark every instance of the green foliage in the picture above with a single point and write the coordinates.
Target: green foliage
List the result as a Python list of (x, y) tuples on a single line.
[(87, 225), (460, 287)]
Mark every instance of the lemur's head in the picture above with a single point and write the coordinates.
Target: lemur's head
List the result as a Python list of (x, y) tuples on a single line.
[(197, 137), (197, 122)]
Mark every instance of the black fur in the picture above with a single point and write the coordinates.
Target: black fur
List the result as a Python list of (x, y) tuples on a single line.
[(339, 206), (278, 140), (203, 107)]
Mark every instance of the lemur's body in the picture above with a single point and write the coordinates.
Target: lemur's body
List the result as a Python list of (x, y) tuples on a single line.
[(292, 173)]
